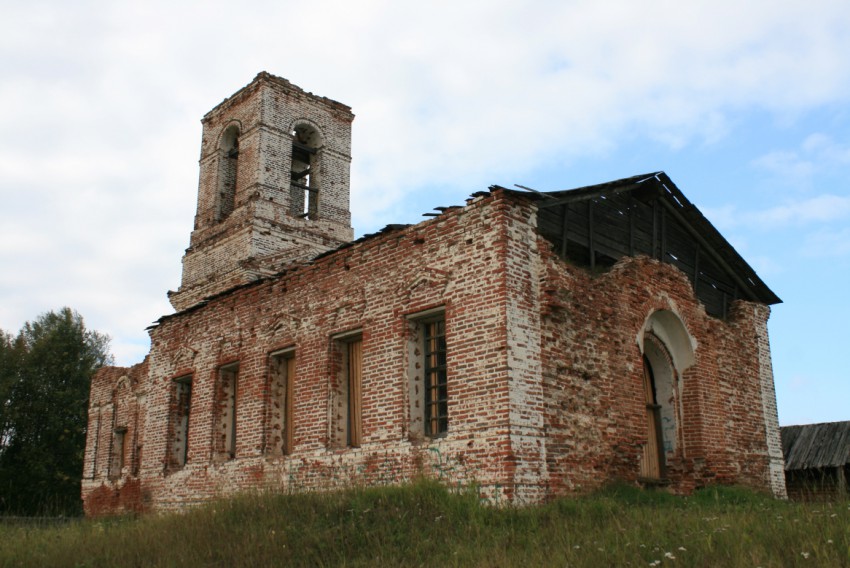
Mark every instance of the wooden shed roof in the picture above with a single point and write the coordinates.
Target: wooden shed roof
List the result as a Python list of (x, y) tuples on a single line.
[(811, 446), (647, 214)]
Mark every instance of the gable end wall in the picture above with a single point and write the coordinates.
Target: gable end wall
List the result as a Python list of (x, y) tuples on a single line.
[(592, 373)]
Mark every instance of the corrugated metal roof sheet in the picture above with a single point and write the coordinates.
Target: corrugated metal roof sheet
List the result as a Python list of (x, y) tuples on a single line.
[(812, 446)]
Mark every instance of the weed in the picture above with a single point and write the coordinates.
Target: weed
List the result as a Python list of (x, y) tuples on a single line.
[(425, 524)]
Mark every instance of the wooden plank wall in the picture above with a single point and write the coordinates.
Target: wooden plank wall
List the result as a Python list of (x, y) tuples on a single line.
[(596, 232)]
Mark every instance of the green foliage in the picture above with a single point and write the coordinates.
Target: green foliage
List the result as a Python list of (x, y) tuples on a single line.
[(45, 375), (424, 524)]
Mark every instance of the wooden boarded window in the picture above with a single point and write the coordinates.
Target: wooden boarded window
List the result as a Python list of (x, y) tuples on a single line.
[(117, 461), (178, 444), (355, 391), (282, 435), (348, 390), (652, 461), (436, 384), (226, 402)]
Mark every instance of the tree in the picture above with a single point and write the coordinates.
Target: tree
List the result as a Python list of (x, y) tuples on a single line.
[(45, 375), (7, 375)]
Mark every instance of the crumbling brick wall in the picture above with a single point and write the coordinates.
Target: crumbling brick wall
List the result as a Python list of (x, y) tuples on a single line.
[(260, 230), (544, 373), (115, 440), (596, 424), (455, 262)]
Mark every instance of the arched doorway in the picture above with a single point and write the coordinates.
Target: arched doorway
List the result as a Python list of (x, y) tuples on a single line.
[(667, 349)]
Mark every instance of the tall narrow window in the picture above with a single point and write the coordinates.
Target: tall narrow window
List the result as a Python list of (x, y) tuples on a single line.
[(652, 462), (121, 415), (138, 436), (436, 385), (428, 392), (228, 172), (305, 171), (94, 458), (282, 423), (227, 402), (348, 406), (355, 391), (117, 461), (178, 446)]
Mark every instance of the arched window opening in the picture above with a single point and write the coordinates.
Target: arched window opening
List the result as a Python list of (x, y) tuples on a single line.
[(228, 172), (304, 175)]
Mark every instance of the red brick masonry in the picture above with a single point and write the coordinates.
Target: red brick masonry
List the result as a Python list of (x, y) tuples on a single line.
[(248, 385), (544, 374)]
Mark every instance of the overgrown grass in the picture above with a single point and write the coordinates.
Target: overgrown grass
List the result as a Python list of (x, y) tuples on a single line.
[(425, 525)]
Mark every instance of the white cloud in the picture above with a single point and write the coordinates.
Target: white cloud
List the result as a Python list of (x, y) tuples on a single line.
[(790, 167), (98, 161), (817, 154), (819, 209), (793, 213), (828, 243)]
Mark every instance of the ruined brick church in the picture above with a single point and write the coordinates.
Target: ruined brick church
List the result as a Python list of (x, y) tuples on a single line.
[(536, 344)]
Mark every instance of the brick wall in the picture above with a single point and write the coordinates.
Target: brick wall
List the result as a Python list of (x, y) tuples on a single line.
[(593, 330), (265, 229), (544, 373), (117, 402), (455, 262)]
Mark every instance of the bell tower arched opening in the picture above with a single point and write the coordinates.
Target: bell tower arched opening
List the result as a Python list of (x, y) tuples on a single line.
[(273, 189), (228, 172), (305, 171)]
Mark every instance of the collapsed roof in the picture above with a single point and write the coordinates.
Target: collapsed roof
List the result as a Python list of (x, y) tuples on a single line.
[(594, 226)]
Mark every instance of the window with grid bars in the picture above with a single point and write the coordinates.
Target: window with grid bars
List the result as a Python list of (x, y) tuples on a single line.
[(436, 385), (427, 375)]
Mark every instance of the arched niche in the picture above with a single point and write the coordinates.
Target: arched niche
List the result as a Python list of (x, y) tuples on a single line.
[(121, 412)]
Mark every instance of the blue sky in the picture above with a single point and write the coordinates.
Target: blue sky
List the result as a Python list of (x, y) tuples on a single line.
[(744, 105)]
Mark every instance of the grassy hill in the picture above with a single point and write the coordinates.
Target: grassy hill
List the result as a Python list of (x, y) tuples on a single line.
[(425, 525)]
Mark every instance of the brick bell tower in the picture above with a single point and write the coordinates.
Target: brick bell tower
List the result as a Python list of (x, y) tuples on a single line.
[(274, 187)]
